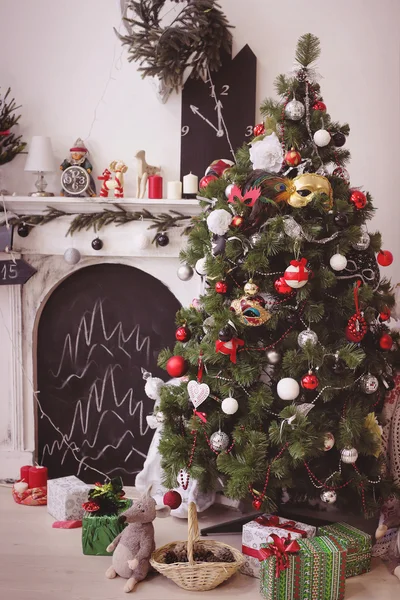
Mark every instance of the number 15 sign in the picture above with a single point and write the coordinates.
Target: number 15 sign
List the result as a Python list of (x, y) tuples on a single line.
[(15, 272)]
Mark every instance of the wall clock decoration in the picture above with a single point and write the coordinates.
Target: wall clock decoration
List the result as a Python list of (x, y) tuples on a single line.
[(218, 114)]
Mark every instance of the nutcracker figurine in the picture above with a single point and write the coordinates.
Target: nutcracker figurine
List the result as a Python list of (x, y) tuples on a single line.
[(76, 178)]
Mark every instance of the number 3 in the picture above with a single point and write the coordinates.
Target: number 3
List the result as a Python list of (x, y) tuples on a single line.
[(249, 130)]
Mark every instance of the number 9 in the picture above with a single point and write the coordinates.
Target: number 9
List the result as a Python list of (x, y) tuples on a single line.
[(185, 130)]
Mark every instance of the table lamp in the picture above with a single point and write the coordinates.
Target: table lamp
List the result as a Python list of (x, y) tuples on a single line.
[(40, 160)]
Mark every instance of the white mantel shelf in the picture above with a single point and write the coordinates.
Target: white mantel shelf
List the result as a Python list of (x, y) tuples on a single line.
[(28, 205)]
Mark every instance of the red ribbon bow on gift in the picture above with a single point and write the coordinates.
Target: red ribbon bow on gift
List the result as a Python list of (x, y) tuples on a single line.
[(301, 274), (249, 199), (229, 348), (280, 548), (273, 521)]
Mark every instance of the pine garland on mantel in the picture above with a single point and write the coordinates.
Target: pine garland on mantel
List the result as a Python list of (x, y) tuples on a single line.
[(161, 222)]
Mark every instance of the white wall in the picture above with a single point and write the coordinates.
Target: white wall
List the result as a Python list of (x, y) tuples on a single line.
[(57, 57)]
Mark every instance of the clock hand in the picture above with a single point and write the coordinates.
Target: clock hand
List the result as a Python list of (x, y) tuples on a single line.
[(196, 111), (219, 108), (221, 120)]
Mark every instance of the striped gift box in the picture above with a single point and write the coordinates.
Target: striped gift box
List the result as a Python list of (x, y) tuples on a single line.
[(357, 543)]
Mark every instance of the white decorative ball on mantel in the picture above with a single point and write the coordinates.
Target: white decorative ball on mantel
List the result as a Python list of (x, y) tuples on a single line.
[(142, 241), (288, 388), (72, 256)]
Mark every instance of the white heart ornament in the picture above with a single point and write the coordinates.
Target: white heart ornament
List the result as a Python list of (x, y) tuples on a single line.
[(198, 392)]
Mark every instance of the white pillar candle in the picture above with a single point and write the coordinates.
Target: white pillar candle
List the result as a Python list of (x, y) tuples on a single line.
[(190, 184), (174, 190)]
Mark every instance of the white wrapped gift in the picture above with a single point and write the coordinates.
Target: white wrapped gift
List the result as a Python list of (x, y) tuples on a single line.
[(65, 497), (259, 531)]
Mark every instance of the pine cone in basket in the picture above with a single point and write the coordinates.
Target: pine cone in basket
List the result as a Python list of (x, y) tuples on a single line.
[(223, 555), (170, 557)]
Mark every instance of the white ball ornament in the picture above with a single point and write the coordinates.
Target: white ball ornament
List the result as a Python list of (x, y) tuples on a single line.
[(329, 496), (218, 221), (349, 455), (153, 387), (229, 406), (228, 190), (185, 272), (72, 256), (322, 138), (338, 262), (329, 441), (200, 267), (142, 241), (295, 276), (288, 389)]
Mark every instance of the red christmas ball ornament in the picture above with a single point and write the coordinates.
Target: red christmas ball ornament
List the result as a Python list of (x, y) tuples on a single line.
[(297, 274), (386, 341), (237, 221), (309, 381), (176, 366), (384, 258), (182, 334), (172, 499), (204, 181), (319, 105), (257, 504), (356, 328), (221, 287), (359, 199), (384, 315), (259, 129), (292, 158), (282, 287)]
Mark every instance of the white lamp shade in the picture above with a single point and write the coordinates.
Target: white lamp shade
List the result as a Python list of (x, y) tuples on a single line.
[(40, 155)]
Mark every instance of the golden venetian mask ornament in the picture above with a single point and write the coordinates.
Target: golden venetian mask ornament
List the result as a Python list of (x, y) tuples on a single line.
[(251, 308), (300, 191)]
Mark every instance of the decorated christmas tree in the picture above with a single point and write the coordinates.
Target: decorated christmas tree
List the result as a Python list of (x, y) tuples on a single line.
[(10, 144), (287, 354)]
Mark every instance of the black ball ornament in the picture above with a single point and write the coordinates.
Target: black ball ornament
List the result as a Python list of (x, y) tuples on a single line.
[(341, 220), (97, 244), (292, 317), (162, 239), (225, 334), (339, 139), (339, 366), (23, 230)]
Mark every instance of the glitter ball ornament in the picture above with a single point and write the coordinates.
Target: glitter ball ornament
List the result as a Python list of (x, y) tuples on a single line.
[(162, 240), (229, 405), (255, 238), (339, 139), (176, 366), (185, 272), (369, 384), (200, 266), (338, 262), (386, 341), (282, 287), (309, 381), (273, 357), (307, 335), (23, 230), (362, 243), (341, 220), (221, 287), (204, 181), (329, 496), (257, 504), (349, 455), (228, 190), (329, 441), (219, 441), (288, 389), (226, 334), (97, 244), (384, 258), (251, 288), (237, 221), (296, 274), (173, 499), (182, 334), (322, 137), (72, 256), (319, 105), (358, 199), (294, 110), (356, 328), (292, 158), (342, 173), (259, 129)]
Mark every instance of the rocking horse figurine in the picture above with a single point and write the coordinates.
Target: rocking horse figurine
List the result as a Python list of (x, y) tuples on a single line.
[(143, 172), (117, 184)]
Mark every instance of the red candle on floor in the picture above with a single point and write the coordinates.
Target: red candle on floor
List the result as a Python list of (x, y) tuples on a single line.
[(24, 472), (155, 187), (37, 477)]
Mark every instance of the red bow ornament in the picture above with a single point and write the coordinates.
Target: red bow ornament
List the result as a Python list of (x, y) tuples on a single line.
[(249, 199), (280, 548), (229, 348)]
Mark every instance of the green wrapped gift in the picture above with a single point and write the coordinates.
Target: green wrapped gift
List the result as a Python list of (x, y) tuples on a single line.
[(99, 532), (357, 543), (315, 572)]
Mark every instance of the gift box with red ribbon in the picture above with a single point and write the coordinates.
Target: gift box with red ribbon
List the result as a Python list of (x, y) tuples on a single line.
[(303, 569), (259, 532)]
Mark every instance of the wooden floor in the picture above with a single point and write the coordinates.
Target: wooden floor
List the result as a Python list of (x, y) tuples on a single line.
[(38, 562)]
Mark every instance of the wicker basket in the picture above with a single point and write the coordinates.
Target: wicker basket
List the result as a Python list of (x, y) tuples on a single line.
[(196, 577)]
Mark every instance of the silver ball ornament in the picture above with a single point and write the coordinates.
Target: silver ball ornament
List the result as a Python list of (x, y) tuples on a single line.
[(349, 455), (363, 242), (329, 496), (369, 384), (219, 441), (255, 239), (307, 335), (208, 324), (294, 110), (273, 357), (338, 262), (185, 272), (322, 137), (228, 190), (72, 256)]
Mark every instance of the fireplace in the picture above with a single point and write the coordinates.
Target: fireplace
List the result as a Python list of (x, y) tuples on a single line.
[(76, 338)]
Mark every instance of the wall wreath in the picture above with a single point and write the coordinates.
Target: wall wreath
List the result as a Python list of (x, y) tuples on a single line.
[(194, 38)]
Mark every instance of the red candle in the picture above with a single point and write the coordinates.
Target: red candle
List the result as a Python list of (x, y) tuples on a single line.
[(24, 473), (37, 477), (155, 187)]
